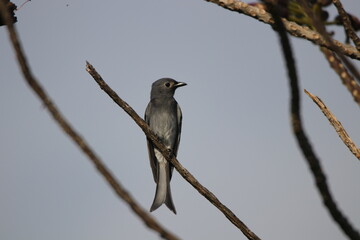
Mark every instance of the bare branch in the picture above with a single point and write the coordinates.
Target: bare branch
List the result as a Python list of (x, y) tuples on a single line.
[(347, 23), (169, 155), (345, 76), (336, 124), (79, 141), (301, 137), (291, 27), (320, 27)]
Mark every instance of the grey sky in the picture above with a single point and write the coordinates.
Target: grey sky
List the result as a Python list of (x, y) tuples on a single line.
[(236, 136)]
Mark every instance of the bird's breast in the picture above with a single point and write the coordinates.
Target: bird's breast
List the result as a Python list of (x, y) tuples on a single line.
[(164, 125)]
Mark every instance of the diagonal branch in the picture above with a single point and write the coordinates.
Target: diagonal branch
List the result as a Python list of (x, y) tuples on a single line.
[(79, 141), (291, 27), (301, 137), (336, 124), (320, 27), (169, 156), (347, 23), (346, 78)]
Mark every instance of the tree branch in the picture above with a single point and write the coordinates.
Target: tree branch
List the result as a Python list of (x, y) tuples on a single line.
[(79, 141), (301, 137), (347, 24), (336, 124), (169, 155), (344, 75), (320, 27), (291, 27)]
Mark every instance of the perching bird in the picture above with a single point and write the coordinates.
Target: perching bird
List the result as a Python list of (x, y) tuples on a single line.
[(163, 115)]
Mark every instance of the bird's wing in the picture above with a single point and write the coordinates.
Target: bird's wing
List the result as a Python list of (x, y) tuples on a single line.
[(152, 158), (177, 143), (179, 122)]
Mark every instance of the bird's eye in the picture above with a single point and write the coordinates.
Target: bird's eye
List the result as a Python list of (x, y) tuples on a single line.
[(167, 84)]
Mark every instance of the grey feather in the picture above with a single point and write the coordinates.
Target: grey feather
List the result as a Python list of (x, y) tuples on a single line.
[(163, 115)]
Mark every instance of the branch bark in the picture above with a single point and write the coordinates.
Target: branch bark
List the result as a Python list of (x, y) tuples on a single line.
[(170, 156), (347, 23), (79, 141), (346, 78), (336, 124), (320, 28), (291, 27), (301, 137)]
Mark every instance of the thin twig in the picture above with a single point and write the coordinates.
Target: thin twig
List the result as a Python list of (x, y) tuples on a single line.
[(301, 137), (291, 27), (347, 23), (336, 124), (169, 156), (23, 4), (345, 76), (79, 141)]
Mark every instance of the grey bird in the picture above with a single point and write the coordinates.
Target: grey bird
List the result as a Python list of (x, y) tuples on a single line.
[(163, 115)]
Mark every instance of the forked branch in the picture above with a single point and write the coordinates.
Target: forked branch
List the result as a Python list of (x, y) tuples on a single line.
[(291, 27)]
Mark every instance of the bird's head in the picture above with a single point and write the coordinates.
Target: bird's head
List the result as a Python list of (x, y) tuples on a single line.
[(165, 87)]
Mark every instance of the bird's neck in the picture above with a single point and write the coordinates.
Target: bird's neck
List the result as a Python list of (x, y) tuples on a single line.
[(162, 97)]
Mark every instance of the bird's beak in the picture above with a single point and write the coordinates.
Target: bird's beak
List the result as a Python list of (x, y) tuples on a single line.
[(180, 84)]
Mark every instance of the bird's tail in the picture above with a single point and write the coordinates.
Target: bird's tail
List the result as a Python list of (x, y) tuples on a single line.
[(169, 202), (163, 192)]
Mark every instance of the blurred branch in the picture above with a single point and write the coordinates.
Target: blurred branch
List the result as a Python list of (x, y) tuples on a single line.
[(336, 124), (347, 23), (345, 76), (291, 27), (301, 137), (11, 8), (79, 141), (170, 156), (320, 28)]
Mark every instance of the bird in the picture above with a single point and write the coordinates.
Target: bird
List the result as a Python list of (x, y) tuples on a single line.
[(164, 117)]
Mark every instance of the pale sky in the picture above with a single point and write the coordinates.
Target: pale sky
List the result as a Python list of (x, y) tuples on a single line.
[(236, 138)]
